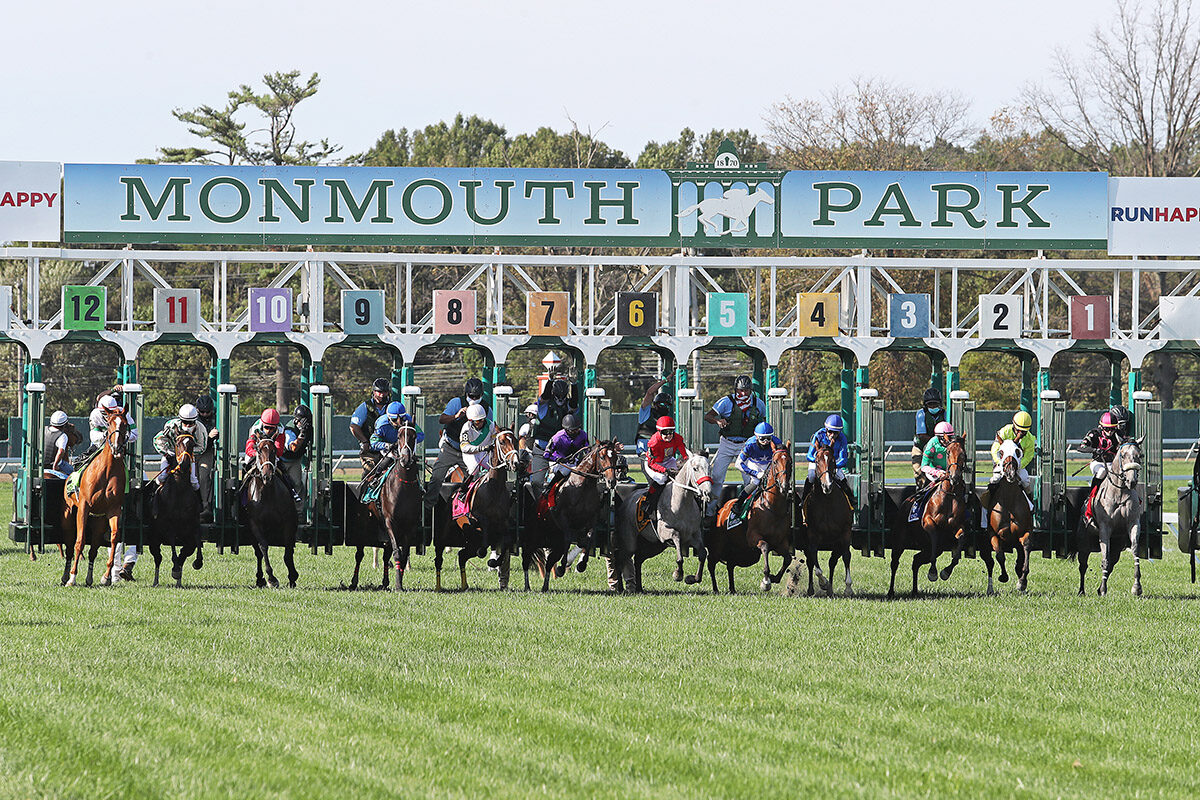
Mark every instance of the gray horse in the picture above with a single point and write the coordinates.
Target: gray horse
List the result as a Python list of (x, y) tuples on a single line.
[(1117, 507), (680, 513)]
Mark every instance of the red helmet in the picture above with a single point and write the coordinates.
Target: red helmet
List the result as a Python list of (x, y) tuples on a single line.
[(1107, 420), (666, 424), (270, 418)]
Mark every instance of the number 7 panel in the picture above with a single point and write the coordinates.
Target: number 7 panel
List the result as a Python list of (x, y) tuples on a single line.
[(548, 313)]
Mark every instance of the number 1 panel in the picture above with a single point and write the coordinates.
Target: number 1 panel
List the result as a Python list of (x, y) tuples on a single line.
[(1091, 316)]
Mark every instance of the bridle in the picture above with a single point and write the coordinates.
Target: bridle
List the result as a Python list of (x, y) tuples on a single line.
[(407, 433), (118, 432), (184, 443), (589, 458), (1118, 477), (505, 449), (778, 473), (684, 484), (265, 461)]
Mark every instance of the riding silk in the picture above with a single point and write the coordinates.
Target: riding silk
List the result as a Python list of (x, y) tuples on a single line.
[(164, 442), (841, 449), (1103, 443), (1027, 444), (661, 453), (562, 445), (755, 458), (256, 433), (366, 415)]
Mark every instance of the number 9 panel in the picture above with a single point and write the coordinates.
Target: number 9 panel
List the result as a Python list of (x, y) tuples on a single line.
[(362, 311), (453, 312)]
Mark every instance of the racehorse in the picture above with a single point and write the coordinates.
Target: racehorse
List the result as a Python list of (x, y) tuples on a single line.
[(945, 514), (1117, 508), (487, 521), (177, 513), (570, 516), (1010, 520), (98, 500), (827, 521), (398, 510), (767, 528), (270, 510), (678, 523)]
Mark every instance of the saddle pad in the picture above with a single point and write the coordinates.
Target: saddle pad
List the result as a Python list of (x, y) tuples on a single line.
[(724, 512), (640, 515), (918, 503), (547, 502), (375, 487), (458, 506)]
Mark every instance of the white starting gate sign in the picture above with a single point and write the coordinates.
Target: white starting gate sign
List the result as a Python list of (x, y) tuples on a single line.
[(1000, 316), (962, 417), (177, 310)]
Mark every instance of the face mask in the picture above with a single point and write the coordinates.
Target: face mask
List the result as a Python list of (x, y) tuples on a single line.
[(474, 401), (937, 410)]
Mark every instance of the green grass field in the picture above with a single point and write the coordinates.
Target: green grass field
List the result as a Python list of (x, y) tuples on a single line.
[(221, 690)]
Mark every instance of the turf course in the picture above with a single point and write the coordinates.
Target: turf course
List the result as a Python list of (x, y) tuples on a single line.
[(222, 690)]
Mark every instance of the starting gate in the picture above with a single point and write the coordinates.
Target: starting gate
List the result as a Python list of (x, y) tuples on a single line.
[(1052, 527), (504, 407), (1147, 426), (27, 525), (318, 480), (869, 465), (689, 422), (597, 415), (962, 417), (781, 413)]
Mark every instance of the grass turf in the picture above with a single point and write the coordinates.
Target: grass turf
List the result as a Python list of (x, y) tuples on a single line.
[(221, 690)]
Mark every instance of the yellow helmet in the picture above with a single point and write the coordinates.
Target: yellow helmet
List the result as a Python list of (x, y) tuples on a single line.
[(1022, 420)]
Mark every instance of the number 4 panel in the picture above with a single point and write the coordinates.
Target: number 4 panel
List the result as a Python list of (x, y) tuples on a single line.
[(817, 313)]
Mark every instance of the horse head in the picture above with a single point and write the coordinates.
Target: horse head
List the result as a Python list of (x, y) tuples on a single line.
[(406, 444), (694, 475), (825, 468), (1010, 461), (184, 443), (780, 470), (117, 433), (1127, 464), (606, 462), (264, 460), (506, 450), (956, 457)]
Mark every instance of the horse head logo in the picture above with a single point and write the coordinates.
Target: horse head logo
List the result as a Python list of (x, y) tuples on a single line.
[(736, 205)]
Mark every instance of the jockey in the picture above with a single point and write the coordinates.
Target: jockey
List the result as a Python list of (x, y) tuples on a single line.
[(106, 406), (736, 415), (525, 434), (1122, 417), (564, 446), (186, 423), (1017, 432), (655, 404), (387, 434), (830, 435), (934, 462), (297, 435), (557, 400), (268, 428), (931, 414), (59, 437), (206, 462), (1102, 442), (453, 420), (664, 454), (362, 421), (476, 439), (753, 462)]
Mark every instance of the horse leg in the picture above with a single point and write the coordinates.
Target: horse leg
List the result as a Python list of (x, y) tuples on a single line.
[(92, 550), (259, 581), (766, 557), (402, 559), (1105, 567), (678, 574), (358, 557), (505, 564), (1134, 535), (921, 557), (289, 560), (933, 554), (80, 534), (438, 557), (988, 562), (955, 556), (896, 551), (199, 562), (849, 587), (810, 557), (998, 549), (729, 566), (1083, 554), (712, 574), (526, 563), (114, 535), (1023, 567), (178, 559), (156, 551), (702, 554), (586, 544), (272, 581), (385, 580), (464, 555)]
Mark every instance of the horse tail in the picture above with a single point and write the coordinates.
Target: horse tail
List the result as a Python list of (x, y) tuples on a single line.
[(688, 210)]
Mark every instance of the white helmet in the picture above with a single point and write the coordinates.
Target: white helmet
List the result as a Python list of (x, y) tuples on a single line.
[(476, 413), (188, 413), (531, 408), (58, 419), (108, 403)]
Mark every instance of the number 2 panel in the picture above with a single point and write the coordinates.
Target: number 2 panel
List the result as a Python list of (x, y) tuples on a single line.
[(1001, 316), (548, 313), (453, 312), (818, 313), (362, 311)]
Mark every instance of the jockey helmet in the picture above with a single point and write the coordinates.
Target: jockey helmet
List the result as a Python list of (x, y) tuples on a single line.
[(1120, 414), (661, 399), (944, 429), (302, 412), (476, 413), (58, 419), (834, 422), (1108, 420), (742, 384), (1022, 421), (764, 429), (395, 411), (381, 386), (665, 424), (108, 403), (531, 409), (559, 389), (933, 398), (270, 418), (188, 414), (473, 389), (570, 423), (205, 406)]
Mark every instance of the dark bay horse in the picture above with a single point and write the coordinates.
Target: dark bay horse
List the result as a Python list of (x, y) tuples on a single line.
[(551, 529), (944, 517), (767, 529), (96, 505), (177, 513), (271, 514), (398, 511), (1010, 521), (487, 524), (827, 521)]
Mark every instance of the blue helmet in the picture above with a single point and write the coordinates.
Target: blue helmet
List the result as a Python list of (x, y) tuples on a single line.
[(834, 422), (764, 429), (395, 410)]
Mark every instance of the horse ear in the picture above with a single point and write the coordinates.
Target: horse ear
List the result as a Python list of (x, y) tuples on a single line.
[(1138, 441)]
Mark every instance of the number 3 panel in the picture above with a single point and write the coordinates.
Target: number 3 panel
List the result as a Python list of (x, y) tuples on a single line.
[(453, 311), (548, 313), (908, 316), (362, 311), (1001, 316), (818, 313)]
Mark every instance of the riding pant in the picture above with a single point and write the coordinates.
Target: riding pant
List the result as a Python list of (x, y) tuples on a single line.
[(838, 473), (539, 467), (727, 452), (169, 464), (661, 478), (561, 469), (478, 462), (1099, 469), (1022, 474), (449, 457)]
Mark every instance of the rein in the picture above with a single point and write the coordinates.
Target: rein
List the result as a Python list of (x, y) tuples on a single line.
[(1111, 475), (591, 453)]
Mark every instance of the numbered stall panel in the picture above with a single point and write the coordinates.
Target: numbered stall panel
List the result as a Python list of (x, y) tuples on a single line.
[(1091, 317), (177, 310), (362, 312), (908, 316), (1001, 316), (548, 313), (270, 310), (637, 313), (85, 308), (817, 313), (728, 314), (453, 312), (1180, 317)]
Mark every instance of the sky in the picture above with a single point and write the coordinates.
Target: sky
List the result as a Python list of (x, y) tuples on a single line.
[(96, 82)]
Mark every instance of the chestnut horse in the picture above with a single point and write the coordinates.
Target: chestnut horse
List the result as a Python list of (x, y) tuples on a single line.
[(945, 515), (827, 521), (98, 500), (270, 510), (177, 513), (1010, 520), (767, 529), (398, 510)]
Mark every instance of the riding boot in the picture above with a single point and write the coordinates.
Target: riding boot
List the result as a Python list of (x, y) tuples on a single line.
[(287, 481), (1089, 511), (808, 486), (652, 494)]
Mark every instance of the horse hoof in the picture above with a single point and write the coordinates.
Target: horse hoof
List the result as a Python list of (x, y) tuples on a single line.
[(991, 592), (199, 562), (849, 592), (179, 583), (932, 576), (353, 586), (105, 581), (154, 583), (690, 579), (1022, 586), (677, 577), (559, 570), (765, 585), (260, 584), (69, 582), (1003, 579), (1137, 590), (291, 584), (177, 574), (580, 567), (273, 583), (945, 574), (821, 582), (493, 563)]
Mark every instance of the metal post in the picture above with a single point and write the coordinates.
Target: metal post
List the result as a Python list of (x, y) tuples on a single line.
[(937, 372), (597, 409), (760, 373), (951, 381), (781, 413), (318, 478), (1115, 389), (401, 375), (1027, 389), (962, 417), (772, 377), (32, 424), (1135, 382), (224, 504), (848, 397)]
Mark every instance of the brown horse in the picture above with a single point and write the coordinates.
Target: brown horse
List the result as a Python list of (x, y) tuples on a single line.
[(1010, 522), (271, 514), (177, 513), (945, 514), (487, 524), (767, 529), (827, 521), (98, 501), (551, 529), (398, 510)]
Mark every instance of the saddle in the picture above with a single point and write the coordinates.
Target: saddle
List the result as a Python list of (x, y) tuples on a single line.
[(75, 477), (460, 500), (725, 513), (919, 500), (374, 487), (546, 503)]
